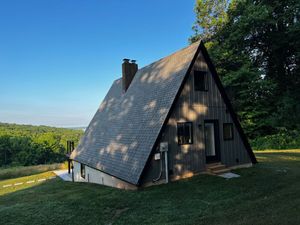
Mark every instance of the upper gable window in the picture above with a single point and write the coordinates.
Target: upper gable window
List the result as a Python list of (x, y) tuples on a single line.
[(185, 133), (228, 131), (200, 80)]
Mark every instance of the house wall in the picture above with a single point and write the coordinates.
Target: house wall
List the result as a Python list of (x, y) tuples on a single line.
[(197, 106), (98, 177)]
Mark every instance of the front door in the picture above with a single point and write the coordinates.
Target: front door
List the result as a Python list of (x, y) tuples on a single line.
[(212, 142)]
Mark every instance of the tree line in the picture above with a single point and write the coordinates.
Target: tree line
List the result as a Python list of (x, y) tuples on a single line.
[(33, 145), (255, 46)]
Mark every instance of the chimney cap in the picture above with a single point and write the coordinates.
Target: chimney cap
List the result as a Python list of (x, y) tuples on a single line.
[(133, 61), (126, 60)]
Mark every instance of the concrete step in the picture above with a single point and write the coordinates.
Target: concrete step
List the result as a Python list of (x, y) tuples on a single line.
[(217, 167), (213, 164), (225, 170)]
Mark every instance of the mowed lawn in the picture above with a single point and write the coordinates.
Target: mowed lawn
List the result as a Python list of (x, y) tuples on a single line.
[(268, 193), (20, 171)]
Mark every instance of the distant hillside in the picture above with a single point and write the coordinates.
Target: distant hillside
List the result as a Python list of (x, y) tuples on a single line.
[(76, 128), (31, 145)]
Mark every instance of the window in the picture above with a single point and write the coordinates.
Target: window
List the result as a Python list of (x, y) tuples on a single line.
[(185, 133), (82, 170), (200, 80), (228, 131)]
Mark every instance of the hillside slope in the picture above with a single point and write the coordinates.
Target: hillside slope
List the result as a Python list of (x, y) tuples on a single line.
[(33, 145)]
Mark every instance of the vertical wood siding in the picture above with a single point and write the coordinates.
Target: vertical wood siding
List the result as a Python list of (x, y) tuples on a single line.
[(197, 106)]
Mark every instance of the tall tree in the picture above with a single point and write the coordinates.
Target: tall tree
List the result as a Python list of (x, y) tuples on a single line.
[(211, 16), (257, 53)]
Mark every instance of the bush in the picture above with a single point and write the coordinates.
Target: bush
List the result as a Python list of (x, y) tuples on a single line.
[(282, 140)]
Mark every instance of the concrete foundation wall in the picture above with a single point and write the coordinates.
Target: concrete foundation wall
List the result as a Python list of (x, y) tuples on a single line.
[(98, 177)]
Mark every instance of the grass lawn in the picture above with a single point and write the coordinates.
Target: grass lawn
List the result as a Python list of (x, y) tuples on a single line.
[(16, 184), (12, 172), (268, 193)]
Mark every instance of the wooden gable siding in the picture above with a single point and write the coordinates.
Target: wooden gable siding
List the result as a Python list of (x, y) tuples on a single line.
[(197, 106)]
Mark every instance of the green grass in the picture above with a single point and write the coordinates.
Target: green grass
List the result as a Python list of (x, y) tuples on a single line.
[(23, 180), (268, 193), (19, 171)]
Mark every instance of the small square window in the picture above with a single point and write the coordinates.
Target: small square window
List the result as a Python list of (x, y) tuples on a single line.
[(200, 80), (228, 131), (82, 170), (185, 133)]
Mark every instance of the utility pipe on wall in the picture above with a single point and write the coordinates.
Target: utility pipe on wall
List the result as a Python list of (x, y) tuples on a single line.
[(167, 168), (160, 171), (164, 148)]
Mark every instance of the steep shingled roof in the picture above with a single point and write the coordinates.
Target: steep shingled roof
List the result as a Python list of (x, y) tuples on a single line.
[(120, 137)]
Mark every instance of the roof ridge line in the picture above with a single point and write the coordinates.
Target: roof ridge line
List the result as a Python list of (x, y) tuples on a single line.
[(198, 42)]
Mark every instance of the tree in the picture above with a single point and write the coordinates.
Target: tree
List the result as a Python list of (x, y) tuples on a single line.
[(5, 151), (31, 145), (211, 16), (257, 53)]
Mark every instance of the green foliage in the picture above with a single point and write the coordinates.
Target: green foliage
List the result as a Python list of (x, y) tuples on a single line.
[(211, 16), (33, 145), (257, 53), (282, 140)]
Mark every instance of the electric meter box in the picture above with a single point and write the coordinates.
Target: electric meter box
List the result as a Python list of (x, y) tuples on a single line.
[(163, 147), (157, 156)]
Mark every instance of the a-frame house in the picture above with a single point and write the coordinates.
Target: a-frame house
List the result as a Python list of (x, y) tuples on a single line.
[(168, 120)]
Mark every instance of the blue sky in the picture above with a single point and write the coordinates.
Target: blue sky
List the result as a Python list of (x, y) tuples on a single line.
[(58, 58)]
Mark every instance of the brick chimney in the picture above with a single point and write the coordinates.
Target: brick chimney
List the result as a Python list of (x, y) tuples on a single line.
[(129, 69)]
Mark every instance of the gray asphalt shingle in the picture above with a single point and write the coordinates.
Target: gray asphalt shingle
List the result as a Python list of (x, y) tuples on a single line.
[(122, 133)]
